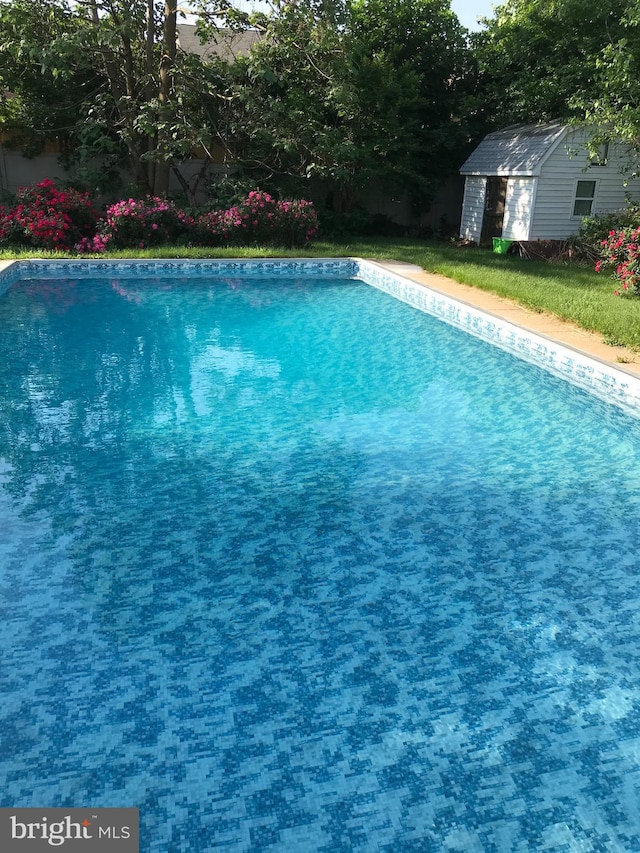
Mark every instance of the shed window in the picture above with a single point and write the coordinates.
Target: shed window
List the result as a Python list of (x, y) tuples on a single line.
[(600, 155), (585, 192)]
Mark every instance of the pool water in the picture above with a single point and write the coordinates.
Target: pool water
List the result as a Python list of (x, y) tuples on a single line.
[(292, 566)]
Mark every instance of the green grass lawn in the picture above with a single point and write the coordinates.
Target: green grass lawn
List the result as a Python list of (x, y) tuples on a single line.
[(570, 291)]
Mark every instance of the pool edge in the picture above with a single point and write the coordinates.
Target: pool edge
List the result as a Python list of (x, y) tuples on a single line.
[(609, 382)]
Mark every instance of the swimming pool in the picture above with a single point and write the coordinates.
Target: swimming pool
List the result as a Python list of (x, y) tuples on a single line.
[(292, 566)]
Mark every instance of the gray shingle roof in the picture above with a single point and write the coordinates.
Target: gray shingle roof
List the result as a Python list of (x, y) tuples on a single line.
[(518, 150)]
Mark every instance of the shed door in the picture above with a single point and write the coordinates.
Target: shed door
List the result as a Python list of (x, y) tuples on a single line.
[(494, 199)]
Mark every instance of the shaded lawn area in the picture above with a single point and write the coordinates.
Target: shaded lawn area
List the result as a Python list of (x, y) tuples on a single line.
[(571, 291)]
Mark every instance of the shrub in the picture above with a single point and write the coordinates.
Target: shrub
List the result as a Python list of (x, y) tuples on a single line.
[(228, 190), (46, 217), (595, 230), (253, 220), (621, 251), (259, 220), (95, 245), (345, 226), (12, 232), (295, 223), (214, 228), (138, 223)]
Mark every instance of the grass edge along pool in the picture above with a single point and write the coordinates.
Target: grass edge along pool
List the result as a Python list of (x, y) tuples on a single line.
[(614, 386)]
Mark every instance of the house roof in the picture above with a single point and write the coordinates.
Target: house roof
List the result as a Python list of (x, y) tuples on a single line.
[(517, 150), (227, 45)]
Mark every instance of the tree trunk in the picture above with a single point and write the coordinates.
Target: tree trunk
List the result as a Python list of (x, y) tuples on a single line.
[(150, 93), (167, 64), (123, 91)]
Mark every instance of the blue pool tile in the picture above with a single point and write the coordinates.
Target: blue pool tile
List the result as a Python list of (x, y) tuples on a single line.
[(358, 625)]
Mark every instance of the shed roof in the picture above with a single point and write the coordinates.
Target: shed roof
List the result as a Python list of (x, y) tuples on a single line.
[(517, 150)]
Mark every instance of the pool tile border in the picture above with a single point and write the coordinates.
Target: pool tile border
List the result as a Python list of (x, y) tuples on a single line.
[(79, 269), (10, 273), (597, 377)]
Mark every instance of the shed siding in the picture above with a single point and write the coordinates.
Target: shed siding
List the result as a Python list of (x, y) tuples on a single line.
[(553, 209), (517, 209), (473, 208)]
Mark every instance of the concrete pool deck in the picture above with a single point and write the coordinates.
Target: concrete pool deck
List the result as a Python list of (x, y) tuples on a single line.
[(568, 334)]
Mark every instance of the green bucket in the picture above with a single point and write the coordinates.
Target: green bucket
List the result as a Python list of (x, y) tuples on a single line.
[(500, 246)]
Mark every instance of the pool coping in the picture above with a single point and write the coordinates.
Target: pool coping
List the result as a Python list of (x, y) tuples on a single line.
[(562, 348), (548, 325)]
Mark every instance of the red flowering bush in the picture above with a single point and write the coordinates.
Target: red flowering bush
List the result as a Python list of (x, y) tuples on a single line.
[(11, 231), (138, 223), (46, 217), (215, 228), (621, 251), (261, 220)]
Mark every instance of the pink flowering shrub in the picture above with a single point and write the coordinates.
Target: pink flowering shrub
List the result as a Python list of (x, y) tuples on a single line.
[(95, 245), (208, 229), (46, 217), (259, 220), (296, 223), (138, 223), (621, 251), (246, 223)]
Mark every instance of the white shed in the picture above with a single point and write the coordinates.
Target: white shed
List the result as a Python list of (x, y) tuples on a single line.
[(537, 182)]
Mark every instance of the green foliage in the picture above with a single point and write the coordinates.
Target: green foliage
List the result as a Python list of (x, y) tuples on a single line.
[(105, 79), (595, 229), (344, 95), (40, 87), (615, 110), (228, 190), (343, 226), (539, 60), (417, 43)]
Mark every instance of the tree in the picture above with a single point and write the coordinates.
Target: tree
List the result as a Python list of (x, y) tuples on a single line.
[(107, 78), (420, 41), (343, 92), (35, 105), (347, 93), (539, 60), (614, 112)]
